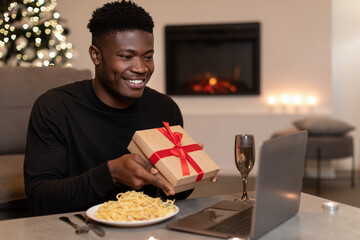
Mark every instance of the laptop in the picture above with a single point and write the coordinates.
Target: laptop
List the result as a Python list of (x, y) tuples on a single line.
[(277, 195)]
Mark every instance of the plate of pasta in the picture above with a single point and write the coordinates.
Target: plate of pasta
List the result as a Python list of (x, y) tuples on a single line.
[(133, 209)]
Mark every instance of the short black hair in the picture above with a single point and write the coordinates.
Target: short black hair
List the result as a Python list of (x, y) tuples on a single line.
[(119, 16)]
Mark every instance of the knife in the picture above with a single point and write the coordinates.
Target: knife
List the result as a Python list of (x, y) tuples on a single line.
[(78, 229), (93, 226)]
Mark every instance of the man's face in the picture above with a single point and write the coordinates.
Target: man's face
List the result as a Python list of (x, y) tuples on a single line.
[(124, 65)]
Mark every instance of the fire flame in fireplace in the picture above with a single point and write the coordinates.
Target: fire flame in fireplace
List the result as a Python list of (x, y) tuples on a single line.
[(211, 85)]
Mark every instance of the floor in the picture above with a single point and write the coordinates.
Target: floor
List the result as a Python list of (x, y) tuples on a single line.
[(339, 191)]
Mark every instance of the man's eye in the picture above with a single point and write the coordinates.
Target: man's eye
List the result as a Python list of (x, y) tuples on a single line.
[(148, 57), (125, 56)]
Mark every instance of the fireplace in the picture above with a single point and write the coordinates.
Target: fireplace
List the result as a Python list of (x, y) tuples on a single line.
[(219, 59)]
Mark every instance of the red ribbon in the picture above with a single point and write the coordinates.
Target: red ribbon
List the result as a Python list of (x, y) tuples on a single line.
[(179, 151)]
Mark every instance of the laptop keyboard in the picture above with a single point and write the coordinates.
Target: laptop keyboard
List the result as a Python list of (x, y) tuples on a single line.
[(238, 224)]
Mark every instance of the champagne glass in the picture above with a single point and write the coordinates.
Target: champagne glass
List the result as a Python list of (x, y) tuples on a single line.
[(244, 159)]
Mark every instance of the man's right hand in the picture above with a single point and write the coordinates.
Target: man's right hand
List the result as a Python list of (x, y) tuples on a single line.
[(133, 171)]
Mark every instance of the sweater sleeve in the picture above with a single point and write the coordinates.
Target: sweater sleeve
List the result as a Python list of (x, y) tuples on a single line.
[(48, 186)]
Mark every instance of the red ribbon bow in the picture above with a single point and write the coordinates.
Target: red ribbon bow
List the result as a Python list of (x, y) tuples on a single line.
[(179, 151)]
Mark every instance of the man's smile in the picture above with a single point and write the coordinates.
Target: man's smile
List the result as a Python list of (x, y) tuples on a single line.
[(135, 83)]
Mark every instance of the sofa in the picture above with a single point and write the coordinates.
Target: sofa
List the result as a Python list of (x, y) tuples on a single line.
[(19, 88)]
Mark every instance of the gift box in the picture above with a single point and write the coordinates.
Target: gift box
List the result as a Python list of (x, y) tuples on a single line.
[(179, 159)]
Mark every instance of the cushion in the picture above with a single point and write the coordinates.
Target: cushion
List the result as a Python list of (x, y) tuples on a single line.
[(323, 126), (285, 132)]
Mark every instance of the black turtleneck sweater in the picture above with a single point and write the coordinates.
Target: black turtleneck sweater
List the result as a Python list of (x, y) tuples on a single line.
[(71, 137)]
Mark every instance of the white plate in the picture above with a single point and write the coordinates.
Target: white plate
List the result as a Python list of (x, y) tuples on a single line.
[(91, 214)]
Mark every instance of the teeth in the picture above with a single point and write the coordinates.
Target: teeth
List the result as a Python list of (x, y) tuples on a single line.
[(135, 81)]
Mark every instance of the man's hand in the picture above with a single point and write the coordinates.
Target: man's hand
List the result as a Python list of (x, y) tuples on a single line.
[(133, 171), (214, 178)]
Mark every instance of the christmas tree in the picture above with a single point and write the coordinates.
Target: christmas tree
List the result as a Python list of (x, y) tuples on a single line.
[(31, 34)]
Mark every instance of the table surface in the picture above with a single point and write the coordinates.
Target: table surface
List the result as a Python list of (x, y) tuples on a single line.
[(312, 222)]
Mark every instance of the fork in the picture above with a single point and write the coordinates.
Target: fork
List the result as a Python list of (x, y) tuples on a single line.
[(78, 229), (92, 225)]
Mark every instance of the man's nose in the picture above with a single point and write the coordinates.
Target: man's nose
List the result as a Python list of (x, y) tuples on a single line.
[(139, 66)]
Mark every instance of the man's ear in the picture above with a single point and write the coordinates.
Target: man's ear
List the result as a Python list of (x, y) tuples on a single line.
[(94, 54)]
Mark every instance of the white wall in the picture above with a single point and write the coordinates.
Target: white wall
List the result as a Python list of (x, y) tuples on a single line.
[(345, 64), (295, 58), (295, 47)]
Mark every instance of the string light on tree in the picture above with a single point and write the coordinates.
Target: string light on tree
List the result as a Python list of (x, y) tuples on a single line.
[(31, 34)]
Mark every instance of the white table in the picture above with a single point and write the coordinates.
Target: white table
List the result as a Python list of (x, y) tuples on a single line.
[(312, 222)]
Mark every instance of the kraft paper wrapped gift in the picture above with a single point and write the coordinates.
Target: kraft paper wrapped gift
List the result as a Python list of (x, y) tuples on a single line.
[(179, 159)]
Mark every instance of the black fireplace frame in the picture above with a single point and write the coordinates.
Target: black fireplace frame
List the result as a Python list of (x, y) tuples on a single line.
[(248, 31)]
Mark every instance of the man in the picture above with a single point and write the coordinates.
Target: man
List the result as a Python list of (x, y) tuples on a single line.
[(78, 134)]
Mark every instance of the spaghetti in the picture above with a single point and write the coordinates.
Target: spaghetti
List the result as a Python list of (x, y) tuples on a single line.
[(134, 206)]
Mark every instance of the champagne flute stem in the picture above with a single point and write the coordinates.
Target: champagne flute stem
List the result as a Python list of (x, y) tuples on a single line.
[(244, 195)]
